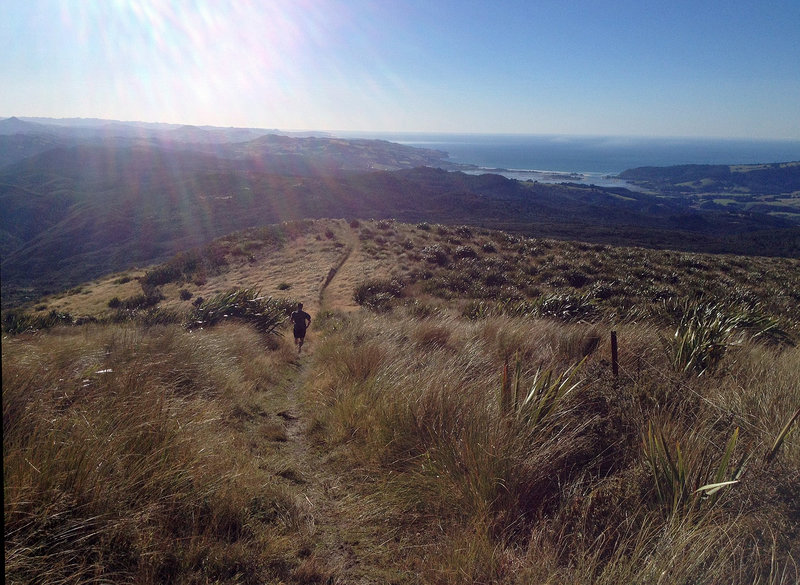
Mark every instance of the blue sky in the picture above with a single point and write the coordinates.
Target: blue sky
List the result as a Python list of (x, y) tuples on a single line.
[(717, 69)]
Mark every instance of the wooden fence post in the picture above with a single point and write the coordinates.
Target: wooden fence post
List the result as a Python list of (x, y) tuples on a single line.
[(505, 390), (614, 355)]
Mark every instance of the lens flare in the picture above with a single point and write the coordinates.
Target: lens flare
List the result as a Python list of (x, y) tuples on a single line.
[(195, 61)]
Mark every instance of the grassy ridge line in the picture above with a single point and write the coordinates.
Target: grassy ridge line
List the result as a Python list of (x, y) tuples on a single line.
[(463, 265), (98, 229)]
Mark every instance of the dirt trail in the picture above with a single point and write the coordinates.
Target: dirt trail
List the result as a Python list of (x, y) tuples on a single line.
[(337, 291), (357, 267), (342, 539)]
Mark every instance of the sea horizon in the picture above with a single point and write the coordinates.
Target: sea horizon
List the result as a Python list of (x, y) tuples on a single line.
[(588, 159)]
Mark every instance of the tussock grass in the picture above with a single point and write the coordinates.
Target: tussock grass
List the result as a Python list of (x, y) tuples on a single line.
[(652, 477), (141, 452), (126, 458), (248, 305)]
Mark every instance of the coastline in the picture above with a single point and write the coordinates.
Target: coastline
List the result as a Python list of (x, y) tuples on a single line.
[(588, 160), (554, 177)]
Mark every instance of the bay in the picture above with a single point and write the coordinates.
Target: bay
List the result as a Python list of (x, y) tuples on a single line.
[(589, 159)]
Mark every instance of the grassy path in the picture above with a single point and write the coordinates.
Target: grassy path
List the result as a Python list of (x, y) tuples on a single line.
[(337, 291), (357, 266), (347, 536), (346, 532)]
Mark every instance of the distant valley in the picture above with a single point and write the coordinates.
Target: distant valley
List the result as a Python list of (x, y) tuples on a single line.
[(772, 189), (79, 201)]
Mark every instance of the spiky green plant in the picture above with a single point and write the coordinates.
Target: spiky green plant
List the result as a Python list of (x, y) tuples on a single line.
[(685, 481), (781, 438), (264, 313), (547, 391), (706, 330)]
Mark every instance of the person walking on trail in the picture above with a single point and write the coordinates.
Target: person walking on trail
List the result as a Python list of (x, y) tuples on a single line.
[(301, 321)]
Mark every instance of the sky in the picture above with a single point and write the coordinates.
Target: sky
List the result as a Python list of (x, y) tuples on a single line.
[(636, 68)]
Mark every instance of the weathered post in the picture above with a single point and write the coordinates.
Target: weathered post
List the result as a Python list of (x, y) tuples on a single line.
[(505, 391), (614, 356)]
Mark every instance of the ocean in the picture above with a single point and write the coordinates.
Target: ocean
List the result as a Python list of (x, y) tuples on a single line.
[(590, 159)]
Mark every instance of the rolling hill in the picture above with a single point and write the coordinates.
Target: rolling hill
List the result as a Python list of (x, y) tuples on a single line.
[(458, 412), (79, 203)]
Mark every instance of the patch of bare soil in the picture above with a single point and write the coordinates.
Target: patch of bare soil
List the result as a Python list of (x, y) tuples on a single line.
[(347, 535)]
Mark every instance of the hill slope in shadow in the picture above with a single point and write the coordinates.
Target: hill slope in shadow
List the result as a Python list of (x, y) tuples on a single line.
[(72, 213)]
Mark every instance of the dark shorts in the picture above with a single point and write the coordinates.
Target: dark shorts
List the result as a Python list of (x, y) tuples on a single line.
[(299, 332)]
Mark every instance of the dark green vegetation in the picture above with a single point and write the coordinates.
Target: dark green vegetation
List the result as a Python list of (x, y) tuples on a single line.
[(772, 189), (762, 179), (466, 426), (76, 205)]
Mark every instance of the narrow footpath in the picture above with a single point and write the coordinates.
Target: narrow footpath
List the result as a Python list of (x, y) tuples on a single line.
[(344, 539)]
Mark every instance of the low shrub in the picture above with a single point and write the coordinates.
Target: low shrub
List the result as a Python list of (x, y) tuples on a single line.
[(15, 321), (161, 275), (264, 313), (464, 231), (465, 252), (378, 295), (142, 301), (567, 307), (435, 254), (576, 278)]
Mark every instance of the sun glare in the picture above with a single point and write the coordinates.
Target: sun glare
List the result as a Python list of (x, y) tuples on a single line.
[(206, 61)]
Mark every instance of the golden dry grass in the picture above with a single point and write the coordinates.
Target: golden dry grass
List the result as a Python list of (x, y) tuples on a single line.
[(416, 402), (146, 456), (383, 454)]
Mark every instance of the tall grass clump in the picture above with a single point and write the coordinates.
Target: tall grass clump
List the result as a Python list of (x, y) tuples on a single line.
[(247, 305), (121, 464), (378, 295), (705, 331), (17, 321), (504, 461), (434, 416)]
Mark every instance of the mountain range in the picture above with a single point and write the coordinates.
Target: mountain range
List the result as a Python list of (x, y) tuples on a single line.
[(83, 198)]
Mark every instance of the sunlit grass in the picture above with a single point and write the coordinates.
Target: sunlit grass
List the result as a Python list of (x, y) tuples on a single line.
[(565, 488), (126, 459), (145, 452)]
